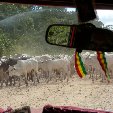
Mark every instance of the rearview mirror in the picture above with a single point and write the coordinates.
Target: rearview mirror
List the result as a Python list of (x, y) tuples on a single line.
[(58, 35), (82, 37)]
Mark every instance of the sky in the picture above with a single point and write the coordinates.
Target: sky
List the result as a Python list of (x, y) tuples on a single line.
[(105, 16)]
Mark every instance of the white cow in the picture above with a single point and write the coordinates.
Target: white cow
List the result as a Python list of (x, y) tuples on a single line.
[(62, 66), (92, 64), (109, 59), (43, 57), (22, 68), (35, 74), (52, 66)]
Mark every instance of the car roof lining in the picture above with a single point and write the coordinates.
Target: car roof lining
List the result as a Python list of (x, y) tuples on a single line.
[(98, 4)]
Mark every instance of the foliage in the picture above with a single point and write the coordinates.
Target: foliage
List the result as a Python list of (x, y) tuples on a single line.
[(24, 28), (6, 44), (8, 9)]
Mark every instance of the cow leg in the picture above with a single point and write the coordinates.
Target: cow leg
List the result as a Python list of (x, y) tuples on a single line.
[(55, 74), (102, 78), (67, 77), (20, 80), (14, 79), (96, 77), (38, 77), (10, 81), (26, 82), (58, 75), (51, 76), (89, 73), (6, 82), (48, 75), (31, 76), (1, 84), (34, 77), (92, 76), (28, 77), (61, 76)]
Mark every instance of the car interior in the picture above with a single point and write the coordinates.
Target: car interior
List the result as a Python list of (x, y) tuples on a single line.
[(56, 56)]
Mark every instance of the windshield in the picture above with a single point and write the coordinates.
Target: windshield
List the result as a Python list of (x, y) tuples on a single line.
[(34, 73)]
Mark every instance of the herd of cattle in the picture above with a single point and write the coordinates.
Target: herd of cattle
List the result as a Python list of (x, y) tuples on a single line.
[(23, 68)]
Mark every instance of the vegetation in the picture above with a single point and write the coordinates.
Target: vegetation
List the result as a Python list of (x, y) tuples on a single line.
[(23, 28)]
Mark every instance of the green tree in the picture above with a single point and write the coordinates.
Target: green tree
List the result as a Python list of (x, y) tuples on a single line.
[(10, 9), (6, 44)]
